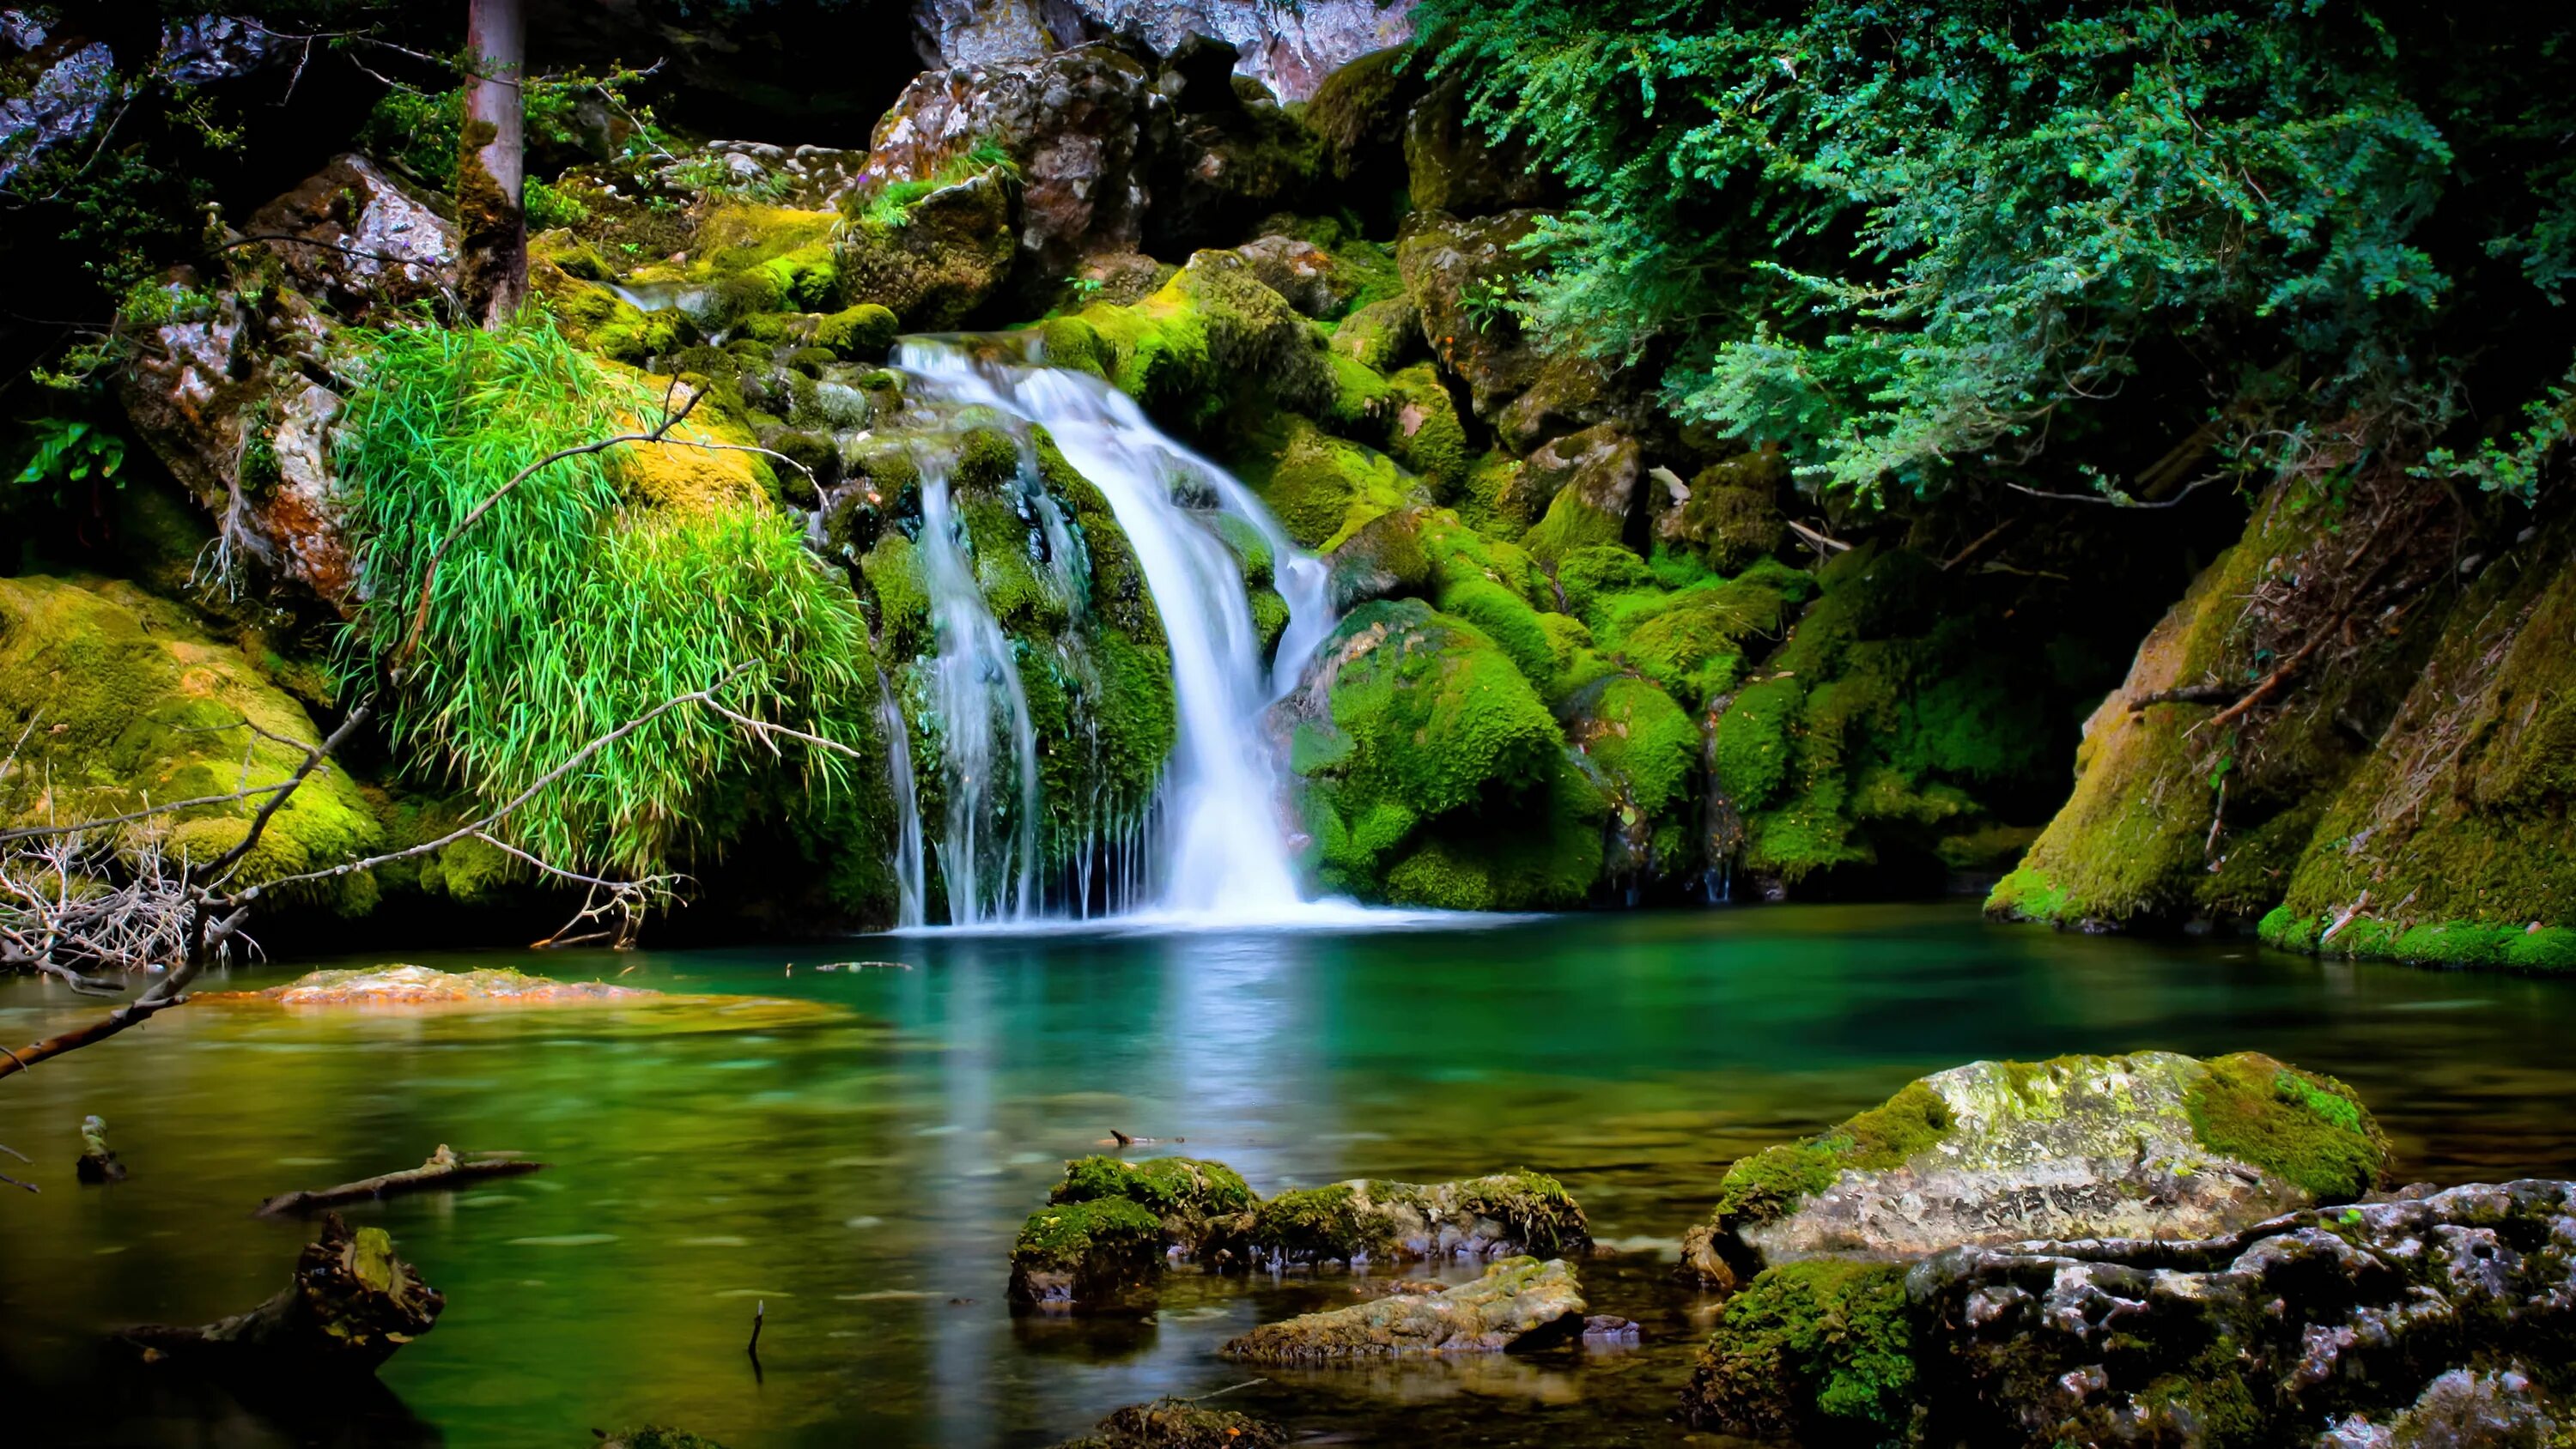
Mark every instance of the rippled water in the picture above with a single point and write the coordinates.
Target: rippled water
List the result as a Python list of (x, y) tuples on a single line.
[(860, 1170)]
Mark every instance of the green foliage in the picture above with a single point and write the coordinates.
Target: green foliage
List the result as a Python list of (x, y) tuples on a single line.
[(892, 205), (1822, 1349), (564, 614), (548, 207), (1969, 221), (419, 131), (2308, 1128), (66, 456)]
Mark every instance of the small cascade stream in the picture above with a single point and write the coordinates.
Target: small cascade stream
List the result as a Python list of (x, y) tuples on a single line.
[(1213, 846)]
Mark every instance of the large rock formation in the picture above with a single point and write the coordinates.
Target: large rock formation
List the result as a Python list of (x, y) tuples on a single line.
[(1289, 48), (2444, 1318), (2149, 1145)]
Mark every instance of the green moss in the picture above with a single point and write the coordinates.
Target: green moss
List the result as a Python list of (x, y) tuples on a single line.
[(1546, 855), (1169, 1186), (1317, 1224), (1322, 488), (2029, 893), (1380, 335), (1101, 1236), (1822, 1350), (1771, 1183), (1508, 621), (1269, 619), (857, 334), (893, 569), (1534, 1209), (2307, 1128), (1424, 433), (1572, 522), (1213, 328), (1072, 343), (1361, 400), (1636, 732), (129, 702), (1440, 718), (1752, 750)]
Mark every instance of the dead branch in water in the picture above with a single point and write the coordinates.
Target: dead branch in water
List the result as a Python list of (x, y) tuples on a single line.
[(443, 1169)]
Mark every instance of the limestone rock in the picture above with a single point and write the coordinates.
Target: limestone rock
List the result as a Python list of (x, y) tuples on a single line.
[(1288, 48), (1519, 1302), (351, 236), (2148, 1145), (1075, 124)]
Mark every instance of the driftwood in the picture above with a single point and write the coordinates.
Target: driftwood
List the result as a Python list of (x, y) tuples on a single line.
[(443, 1169), (350, 1305)]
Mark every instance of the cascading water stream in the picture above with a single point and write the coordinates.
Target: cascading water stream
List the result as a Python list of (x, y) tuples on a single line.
[(1222, 855), (988, 852)]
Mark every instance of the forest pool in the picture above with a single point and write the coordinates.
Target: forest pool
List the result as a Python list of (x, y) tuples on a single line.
[(858, 1161)]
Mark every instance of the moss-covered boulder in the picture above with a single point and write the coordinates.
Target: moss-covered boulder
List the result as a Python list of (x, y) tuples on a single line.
[(951, 250), (1458, 273), (1381, 335), (1451, 166), (1197, 1202), (1097, 1254), (1213, 330), (1519, 1303), (858, 334), (1312, 279), (1423, 431), (1645, 750), (1179, 1424), (125, 701), (1323, 489), (1733, 513), (1590, 483), (2148, 1145), (1365, 1221)]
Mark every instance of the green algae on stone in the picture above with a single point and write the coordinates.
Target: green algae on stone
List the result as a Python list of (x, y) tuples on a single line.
[(1820, 1350), (1347, 1222), (857, 334), (1194, 1200), (2304, 1126), (1085, 1254)]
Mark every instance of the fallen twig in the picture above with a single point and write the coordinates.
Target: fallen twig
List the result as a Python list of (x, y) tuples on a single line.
[(444, 1169)]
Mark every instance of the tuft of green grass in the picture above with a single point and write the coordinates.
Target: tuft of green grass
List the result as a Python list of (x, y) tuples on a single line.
[(892, 207), (567, 612)]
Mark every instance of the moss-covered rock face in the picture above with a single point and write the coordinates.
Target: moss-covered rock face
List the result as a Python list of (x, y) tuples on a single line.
[(1821, 1351), (1520, 1302), (1195, 1201), (1450, 165), (1454, 271), (1323, 489), (124, 700), (1086, 1255), (2148, 1145), (951, 253), (1590, 483), (1413, 736), (1733, 513), (1209, 334)]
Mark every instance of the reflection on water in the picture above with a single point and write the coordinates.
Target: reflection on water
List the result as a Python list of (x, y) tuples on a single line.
[(860, 1171)]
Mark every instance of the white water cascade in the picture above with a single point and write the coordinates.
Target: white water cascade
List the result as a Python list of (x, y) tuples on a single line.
[(1217, 850)]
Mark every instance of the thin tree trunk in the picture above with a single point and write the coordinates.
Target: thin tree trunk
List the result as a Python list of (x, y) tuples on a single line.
[(490, 174)]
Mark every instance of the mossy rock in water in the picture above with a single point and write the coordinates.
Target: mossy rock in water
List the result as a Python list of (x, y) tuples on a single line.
[(858, 334), (123, 700), (1519, 1303), (655, 1436), (1179, 1424), (1086, 1255), (1212, 330), (1820, 1350), (2148, 1145), (1195, 1200), (1363, 1221), (1321, 488)]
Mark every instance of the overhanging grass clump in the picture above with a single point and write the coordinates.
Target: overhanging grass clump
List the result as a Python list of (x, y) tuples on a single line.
[(567, 610)]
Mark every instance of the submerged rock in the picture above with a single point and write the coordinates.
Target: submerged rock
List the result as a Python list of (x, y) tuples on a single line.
[(2149, 1145), (2438, 1320), (1518, 1303), (1179, 1424), (413, 986)]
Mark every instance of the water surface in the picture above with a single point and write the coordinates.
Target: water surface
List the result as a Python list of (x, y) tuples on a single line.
[(860, 1171)]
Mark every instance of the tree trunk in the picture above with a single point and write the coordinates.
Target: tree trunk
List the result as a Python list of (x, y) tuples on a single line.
[(349, 1306), (490, 174)]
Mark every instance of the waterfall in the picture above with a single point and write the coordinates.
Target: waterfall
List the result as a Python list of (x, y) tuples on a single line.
[(988, 849), (1215, 846), (911, 885)]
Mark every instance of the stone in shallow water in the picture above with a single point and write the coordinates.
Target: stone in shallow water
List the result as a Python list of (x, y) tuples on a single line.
[(1520, 1302), (424, 986), (2148, 1145), (1178, 1424)]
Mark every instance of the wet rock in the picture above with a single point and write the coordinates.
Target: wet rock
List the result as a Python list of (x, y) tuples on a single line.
[(1291, 49), (353, 237), (1312, 280), (73, 80), (1500, 1216), (655, 1436), (422, 986), (1108, 1227), (1570, 393), (1732, 514), (1455, 272), (1608, 1330), (2463, 1409), (1179, 1424), (2153, 1144), (1520, 1302)]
